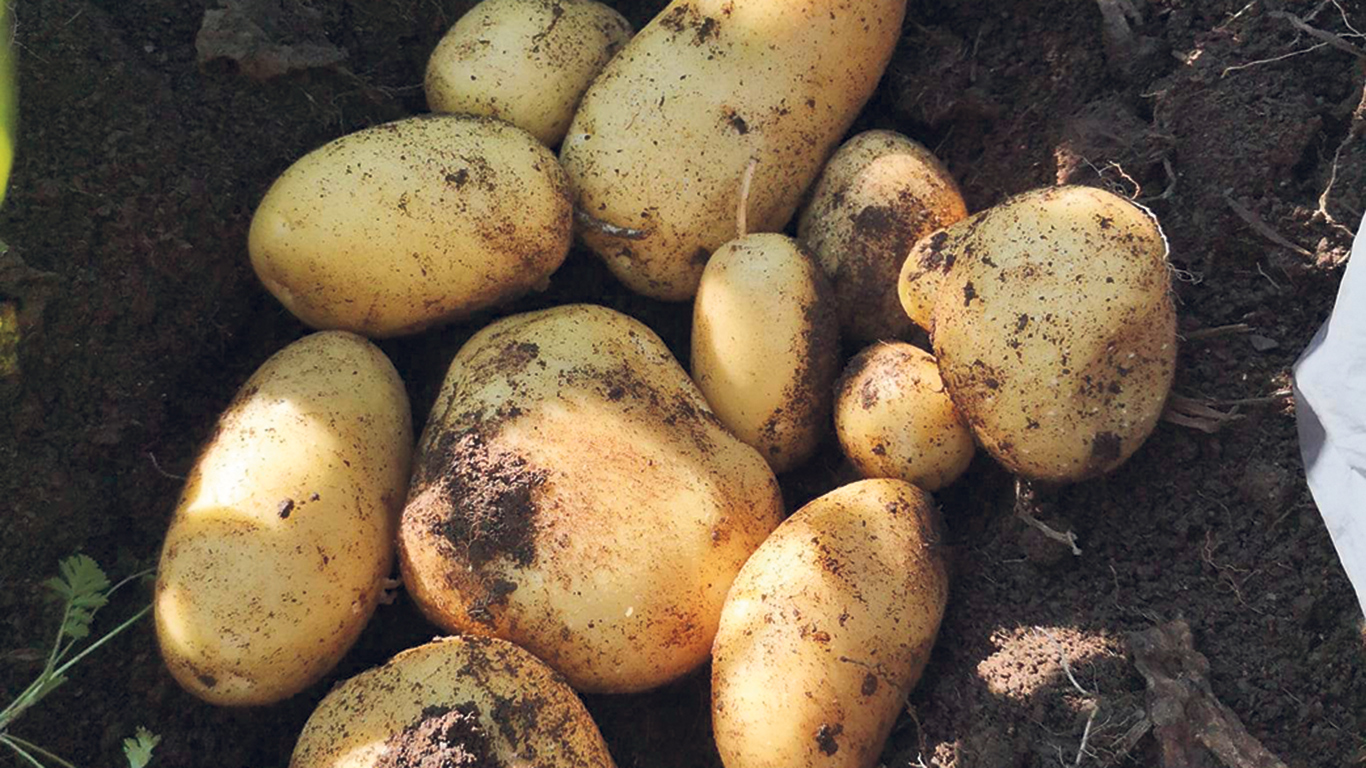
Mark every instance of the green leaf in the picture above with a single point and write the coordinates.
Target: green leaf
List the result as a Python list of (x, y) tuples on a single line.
[(138, 750), (81, 586)]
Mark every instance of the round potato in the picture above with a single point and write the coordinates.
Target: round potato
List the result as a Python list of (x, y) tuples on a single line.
[(524, 61), (895, 419), (663, 137), (278, 550), (827, 629), (409, 224), (765, 345), (576, 495), (878, 195), (1055, 331), (458, 701)]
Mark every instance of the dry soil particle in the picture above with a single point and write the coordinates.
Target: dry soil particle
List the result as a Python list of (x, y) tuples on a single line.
[(443, 737)]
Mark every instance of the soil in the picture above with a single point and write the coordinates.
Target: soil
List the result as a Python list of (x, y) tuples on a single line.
[(138, 170)]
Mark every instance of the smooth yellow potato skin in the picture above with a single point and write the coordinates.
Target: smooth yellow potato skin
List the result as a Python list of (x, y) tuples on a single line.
[(525, 712), (524, 61), (923, 272), (1056, 333), (278, 548), (894, 418), (878, 195), (575, 494), (663, 136), (765, 345), (409, 224), (827, 629)]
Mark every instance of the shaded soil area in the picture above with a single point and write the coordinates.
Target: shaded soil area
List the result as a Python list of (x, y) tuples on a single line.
[(138, 170)]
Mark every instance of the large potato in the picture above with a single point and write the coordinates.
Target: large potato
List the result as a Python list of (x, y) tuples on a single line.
[(878, 195), (664, 135), (575, 495), (765, 345), (283, 536), (827, 629), (405, 225), (524, 61), (1055, 330), (895, 419), (454, 702)]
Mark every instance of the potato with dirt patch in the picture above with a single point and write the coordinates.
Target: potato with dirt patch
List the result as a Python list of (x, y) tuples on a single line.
[(576, 495), (894, 418), (765, 345), (278, 550), (828, 628), (524, 61), (878, 195), (923, 272), (457, 701), (1055, 330), (663, 137), (410, 224)]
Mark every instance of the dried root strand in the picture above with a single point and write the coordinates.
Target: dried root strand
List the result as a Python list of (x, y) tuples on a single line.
[(588, 221)]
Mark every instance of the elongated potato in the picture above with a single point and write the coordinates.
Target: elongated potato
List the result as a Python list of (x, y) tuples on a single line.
[(458, 701), (413, 223), (524, 61), (765, 345), (665, 133), (878, 195), (827, 629), (1055, 330), (576, 495), (283, 536)]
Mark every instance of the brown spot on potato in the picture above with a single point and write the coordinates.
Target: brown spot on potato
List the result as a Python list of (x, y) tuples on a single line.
[(490, 511), (738, 123), (442, 737), (870, 684), (825, 737), (285, 508), (969, 293)]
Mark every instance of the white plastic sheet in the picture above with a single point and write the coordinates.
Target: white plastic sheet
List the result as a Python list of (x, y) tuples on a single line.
[(1330, 407)]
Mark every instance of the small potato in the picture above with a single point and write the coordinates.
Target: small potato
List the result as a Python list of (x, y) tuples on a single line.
[(895, 419), (923, 273), (413, 223), (454, 702), (765, 345), (283, 537), (524, 61), (827, 629), (878, 195), (1055, 330)]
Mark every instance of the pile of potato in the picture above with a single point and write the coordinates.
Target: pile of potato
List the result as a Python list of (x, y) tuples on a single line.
[(581, 513)]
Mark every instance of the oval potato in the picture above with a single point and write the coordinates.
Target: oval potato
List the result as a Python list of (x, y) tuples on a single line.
[(827, 629), (765, 345), (406, 225), (457, 701), (1056, 333), (524, 61), (575, 494), (664, 135), (282, 539)]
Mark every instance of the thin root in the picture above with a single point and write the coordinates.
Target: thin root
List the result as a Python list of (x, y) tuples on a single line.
[(1222, 330), (587, 220), (1024, 495), (1262, 228), (1195, 414)]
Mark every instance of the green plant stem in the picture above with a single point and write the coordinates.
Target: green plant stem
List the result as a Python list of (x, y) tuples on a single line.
[(18, 750), (146, 609), (34, 747)]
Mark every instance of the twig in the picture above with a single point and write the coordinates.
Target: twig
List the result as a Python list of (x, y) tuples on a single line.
[(1328, 37), (1271, 60), (612, 230), (742, 206), (1358, 122), (1262, 227), (1222, 330), (1194, 414), (1023, 495), (1086, 735), (1062, 656)]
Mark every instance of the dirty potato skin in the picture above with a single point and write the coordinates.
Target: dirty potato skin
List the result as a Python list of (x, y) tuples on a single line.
[(765, 345), (827, 629), (664, 135), (457, 701), (283, 536), (878, 195), (1056, 333), (409, 224), (923, 272), (894, 418), (524, 61), (576, 495)]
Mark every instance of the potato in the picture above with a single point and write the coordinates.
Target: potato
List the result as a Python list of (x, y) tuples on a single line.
[(283, 536), (406, 225), (456, 701), (1055, 331), (878, 195), (827, 629), (923, 272), (664, 135), (765, 345), (895, 419), (524, 61), (576, 495)]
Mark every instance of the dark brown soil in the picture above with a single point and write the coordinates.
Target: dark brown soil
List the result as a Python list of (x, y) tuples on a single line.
[(137, 173), (444, 737)]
